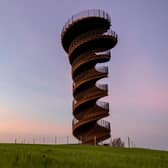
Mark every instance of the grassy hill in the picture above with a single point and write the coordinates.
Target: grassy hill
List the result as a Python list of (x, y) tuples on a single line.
[(79, 156)]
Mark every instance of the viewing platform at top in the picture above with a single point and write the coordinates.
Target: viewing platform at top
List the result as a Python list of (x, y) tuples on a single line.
[(82, 22)]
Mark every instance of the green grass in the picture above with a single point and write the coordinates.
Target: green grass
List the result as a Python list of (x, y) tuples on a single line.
[(78, 156)]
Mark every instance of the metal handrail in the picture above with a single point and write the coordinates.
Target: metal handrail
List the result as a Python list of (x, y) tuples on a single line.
[(90, 54), (103, 69), (74, 102), (88, 98), (85, 14), (102, 104), (104, 124), (102, 86), (80, 76), (108, 52), (83, 55), (74, 121), (110, 33), (90, 92), (84, 37)]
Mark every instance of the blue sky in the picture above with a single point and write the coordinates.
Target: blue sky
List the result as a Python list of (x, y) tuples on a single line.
[(35, 81)]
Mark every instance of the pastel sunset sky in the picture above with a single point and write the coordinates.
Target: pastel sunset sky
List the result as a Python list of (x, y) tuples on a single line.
[(35, 81)]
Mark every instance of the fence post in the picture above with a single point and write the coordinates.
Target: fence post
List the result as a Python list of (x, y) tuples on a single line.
[(43, 140), (55, 140), (128, 141), (67, 139), (111, 141)]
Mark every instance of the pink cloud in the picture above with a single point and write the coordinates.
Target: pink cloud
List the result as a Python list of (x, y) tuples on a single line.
[(11, 122)]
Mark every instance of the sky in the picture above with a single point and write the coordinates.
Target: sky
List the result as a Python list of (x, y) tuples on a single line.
[(35, 74)]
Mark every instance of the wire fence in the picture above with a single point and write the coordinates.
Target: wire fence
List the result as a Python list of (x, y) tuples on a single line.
[(57, 140), (41, 140), (48, 140)]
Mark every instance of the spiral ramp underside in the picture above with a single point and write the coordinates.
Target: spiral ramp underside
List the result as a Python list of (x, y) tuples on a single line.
[(88, 41)]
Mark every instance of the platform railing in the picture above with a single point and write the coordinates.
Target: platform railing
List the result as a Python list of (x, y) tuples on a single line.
[(87, 36), (102, 86), (74, 121), (108, 52), (84, 37), (103, 69), (90, 54), (104, 124), (81, 76), (86, 14), (111, 33), (102, 104), (74, 102), (91, 92), (83, 55)]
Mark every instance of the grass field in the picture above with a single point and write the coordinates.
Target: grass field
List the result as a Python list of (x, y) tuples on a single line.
[(78, 156)]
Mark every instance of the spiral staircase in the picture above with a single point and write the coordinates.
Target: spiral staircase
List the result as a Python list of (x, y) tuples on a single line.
[(87, 39)]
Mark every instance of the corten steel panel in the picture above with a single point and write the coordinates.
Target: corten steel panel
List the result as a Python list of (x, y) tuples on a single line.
[(87, 39)]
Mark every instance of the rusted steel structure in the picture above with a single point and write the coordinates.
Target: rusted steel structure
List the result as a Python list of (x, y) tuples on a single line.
[(87, 39)]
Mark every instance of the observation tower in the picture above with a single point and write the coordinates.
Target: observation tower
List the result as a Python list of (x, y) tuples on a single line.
[(87, 39)]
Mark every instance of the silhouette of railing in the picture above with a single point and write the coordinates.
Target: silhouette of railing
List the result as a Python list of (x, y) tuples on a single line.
[(104, 105), (85, 14), (102, 86), (103, 69), (111, 33), (86, 55), (108, 52), (104, 123)]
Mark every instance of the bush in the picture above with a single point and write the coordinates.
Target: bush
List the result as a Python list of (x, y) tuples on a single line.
[(117, 142)]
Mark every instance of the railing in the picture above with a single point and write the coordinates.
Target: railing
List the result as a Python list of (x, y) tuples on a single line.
[(83, 55), (84, 99), (103, 69), (102, 86), (74, 102), (73, 85), (104, 124), (92, 73), (74, 121), (88, 55), (90, 93), (84, 37), (108, 52), (81, 76), (104, 105), (85, 14), (110, 33)]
